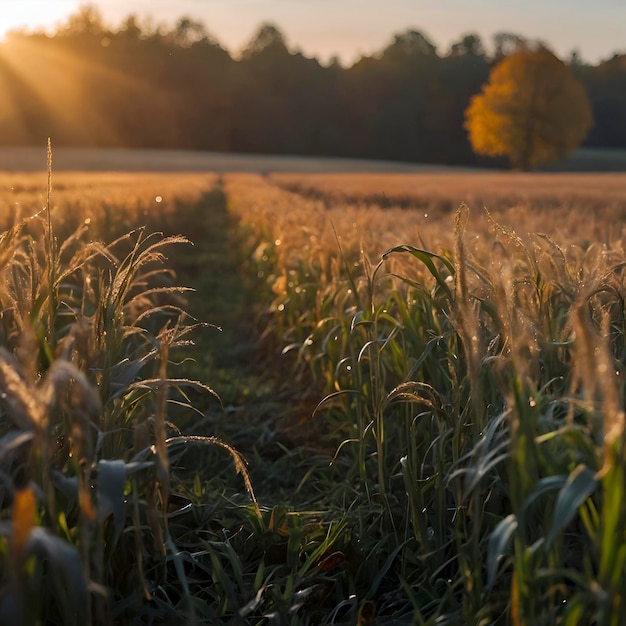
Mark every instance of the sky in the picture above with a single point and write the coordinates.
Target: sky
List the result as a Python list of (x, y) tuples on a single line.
[(348, 29)]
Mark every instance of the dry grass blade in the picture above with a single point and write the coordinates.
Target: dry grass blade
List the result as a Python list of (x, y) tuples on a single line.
[(238, 459), (27, 411)]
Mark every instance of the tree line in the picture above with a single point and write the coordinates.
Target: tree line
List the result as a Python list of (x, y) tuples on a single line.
[(141, 86)]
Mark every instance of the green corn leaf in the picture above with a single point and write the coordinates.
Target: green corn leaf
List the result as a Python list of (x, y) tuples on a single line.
[(498, 542), (427, 259), (544, 485), (581, 483), (385, 568)]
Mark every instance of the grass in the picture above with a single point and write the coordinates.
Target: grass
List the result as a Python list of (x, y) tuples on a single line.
[(429, 400), (593, 159)]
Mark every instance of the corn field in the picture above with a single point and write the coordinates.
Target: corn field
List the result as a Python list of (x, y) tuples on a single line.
[(312, 399)]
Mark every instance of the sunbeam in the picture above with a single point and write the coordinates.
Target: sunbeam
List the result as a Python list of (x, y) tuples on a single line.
[(69, 90)]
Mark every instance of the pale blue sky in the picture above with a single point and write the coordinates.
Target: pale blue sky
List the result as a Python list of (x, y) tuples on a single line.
[(349, 28)]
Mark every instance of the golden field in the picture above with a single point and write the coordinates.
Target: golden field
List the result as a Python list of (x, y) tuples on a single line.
[(579, 206), (424, 372)]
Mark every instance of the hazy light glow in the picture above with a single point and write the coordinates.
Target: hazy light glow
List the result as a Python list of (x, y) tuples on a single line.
[(18, 58), (34, 14), (351, 28)]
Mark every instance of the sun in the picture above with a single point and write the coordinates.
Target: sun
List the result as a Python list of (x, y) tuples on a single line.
[(34, 14)]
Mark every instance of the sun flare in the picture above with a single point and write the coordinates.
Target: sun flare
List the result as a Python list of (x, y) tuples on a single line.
[(34, 14)]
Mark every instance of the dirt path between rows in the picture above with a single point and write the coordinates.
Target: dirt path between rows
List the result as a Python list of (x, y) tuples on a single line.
[(258, 397)]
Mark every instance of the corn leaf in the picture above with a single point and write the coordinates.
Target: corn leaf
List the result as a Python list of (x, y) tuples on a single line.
[(498, 542), (581, 483)]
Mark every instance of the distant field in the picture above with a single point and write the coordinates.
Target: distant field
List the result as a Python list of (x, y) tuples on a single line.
[(122, 160), (592, 160), (389, 207), (476, 187), (572, 207), (306, 207), (29, 159)]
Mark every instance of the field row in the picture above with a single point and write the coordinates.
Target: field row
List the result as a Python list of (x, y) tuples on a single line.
[(570, 208), (474, 375), (465, 369)]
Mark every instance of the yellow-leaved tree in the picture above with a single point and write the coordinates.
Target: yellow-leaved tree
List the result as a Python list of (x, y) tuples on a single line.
[(532, 110)]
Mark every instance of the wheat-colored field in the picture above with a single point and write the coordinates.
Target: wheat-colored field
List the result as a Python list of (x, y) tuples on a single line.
[(77, 196), (32, 159), (368, 211), (436, 428), (468, 186), (314, 212), (570, 207)]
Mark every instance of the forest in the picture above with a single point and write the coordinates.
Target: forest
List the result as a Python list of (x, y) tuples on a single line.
[(138, 85)]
